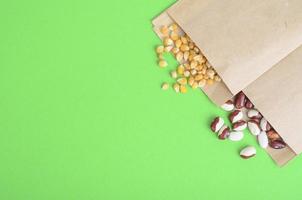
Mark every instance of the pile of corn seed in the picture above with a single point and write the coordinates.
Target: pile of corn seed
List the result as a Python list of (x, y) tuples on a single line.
[(194, 69)]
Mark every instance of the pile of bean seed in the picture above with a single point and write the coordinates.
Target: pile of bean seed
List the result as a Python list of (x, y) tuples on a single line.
[(243, 115), (193, 70)]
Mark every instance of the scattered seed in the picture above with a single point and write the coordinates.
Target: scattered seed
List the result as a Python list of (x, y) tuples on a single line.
[(187, 66), (186, 55), (193, 72), (174, 36), (182, 81), (210, 82), (248, 152), (184, 40), (198, 77), (175, 50), (202, 83), (210, 73), (168, 42), (165, 86), (164, 30), (168, 48), (208, 64), (183, 89), (173, 27), (160, 49), (179, 56), (191, 81), (193, 64), (196, 50), (176, 87), (187, 73), (160, 56), (174, 74), (194, 69), (178, 43), (180, 70), (217, 78), (195, 85), (162, 63), (184, 48)]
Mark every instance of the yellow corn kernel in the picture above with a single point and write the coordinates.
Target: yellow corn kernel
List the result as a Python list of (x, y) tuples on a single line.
[(217, 78), (168, 42), (164, 30), (174, 36), (202, 60), (179, 56), (182, 81), (162, 63), (168, 48), (202, 83), (183, 89), (191, 80), (173, 74), (184, 48), (184, 40), (160, 49), (210, 73), (188, 38), (193, 72), (198, 58), (192, 52), (178, 43), (165, 86), (210, 81), (198, 77), (160, 56), (174, 27), (208, 64), (191, 45), (199, 68), (193, 64), (176, 87), (175, 50), (180, 69), (194, 85), (186, 55), (196, 50), (187, 73), (187, 66)]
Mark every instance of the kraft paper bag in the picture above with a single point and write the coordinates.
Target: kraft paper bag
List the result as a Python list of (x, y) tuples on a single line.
[(247, 42), (278, 95), (241, 39)]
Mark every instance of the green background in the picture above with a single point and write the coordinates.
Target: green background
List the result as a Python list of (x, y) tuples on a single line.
[(82, 115)]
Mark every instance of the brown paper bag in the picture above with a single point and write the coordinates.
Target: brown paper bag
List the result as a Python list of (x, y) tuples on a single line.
[(243, 40), (277, 94)]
